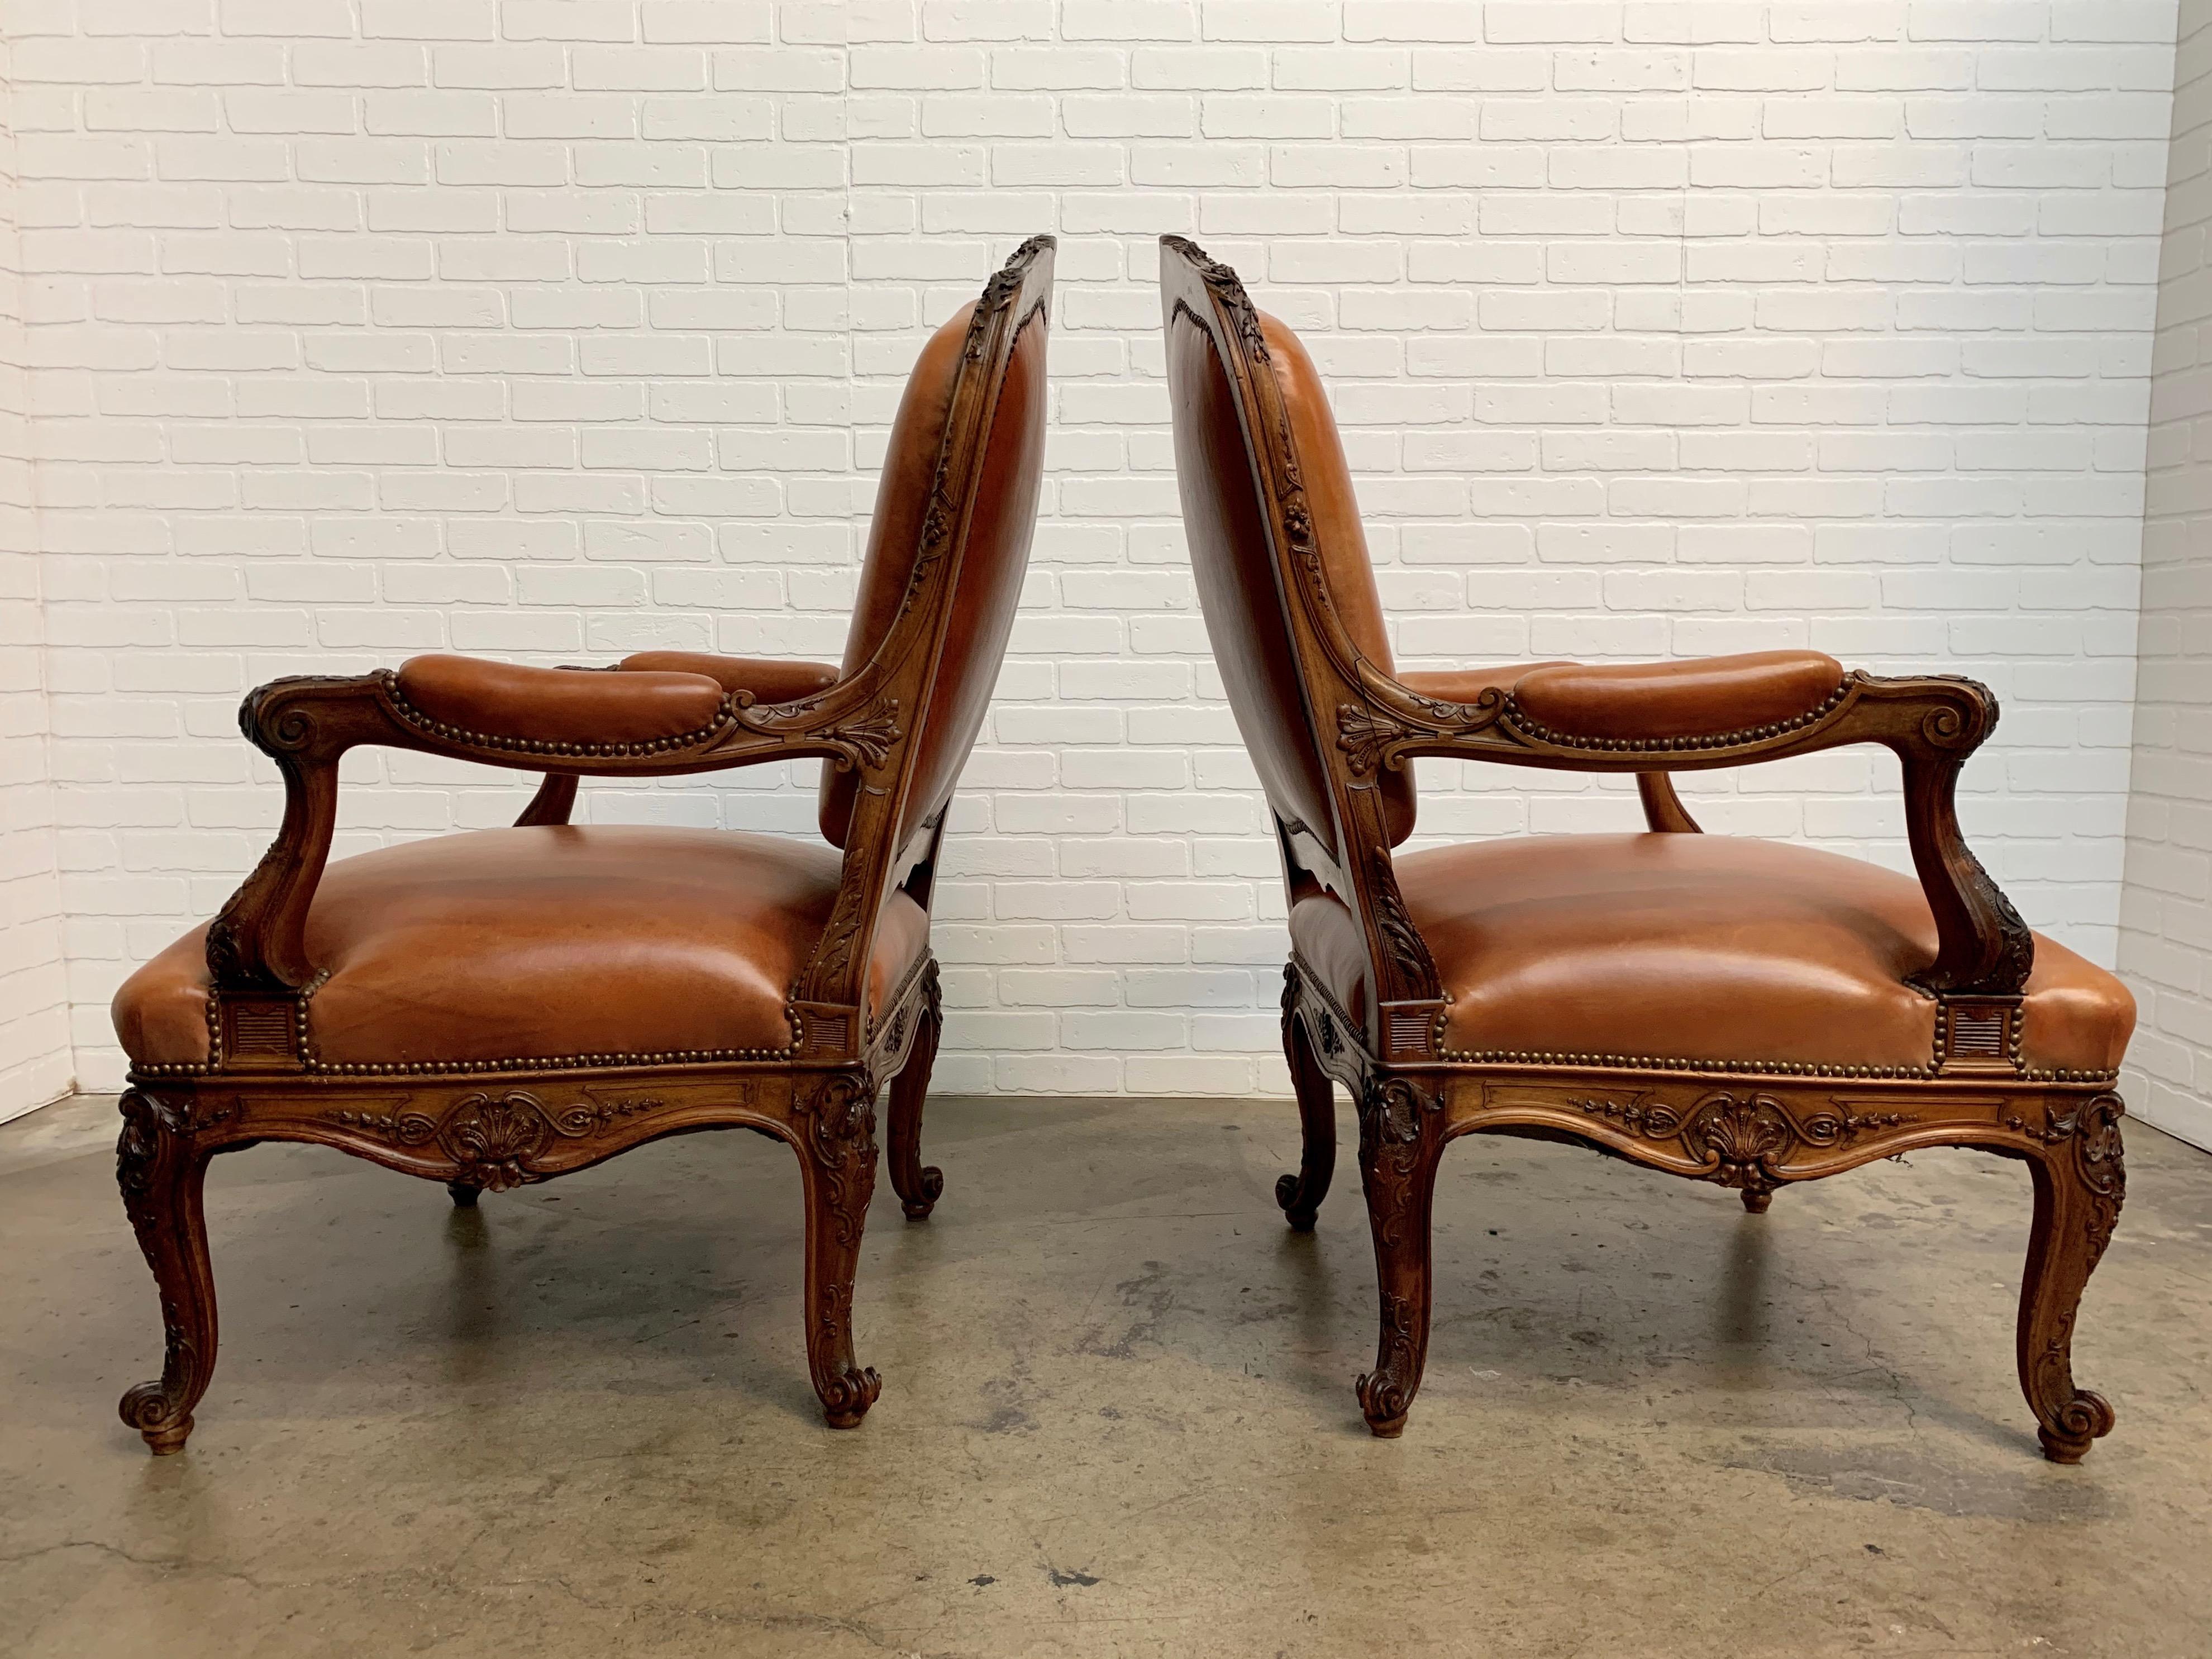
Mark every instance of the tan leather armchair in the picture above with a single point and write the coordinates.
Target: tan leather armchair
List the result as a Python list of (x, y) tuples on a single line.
[(1732, 1011), (508, 1005)]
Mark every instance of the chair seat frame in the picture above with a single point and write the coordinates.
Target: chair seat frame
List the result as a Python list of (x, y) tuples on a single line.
[(1751, 1124), (492, 1125)]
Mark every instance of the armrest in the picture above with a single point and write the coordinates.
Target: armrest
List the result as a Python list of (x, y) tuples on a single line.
[(750, 679), (579, 707), (1697, 699), (645, 723), (1644, 703), (1729, 711), (658, 695)]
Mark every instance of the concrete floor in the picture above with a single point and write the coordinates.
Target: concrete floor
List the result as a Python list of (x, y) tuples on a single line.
[(1117, 1415)]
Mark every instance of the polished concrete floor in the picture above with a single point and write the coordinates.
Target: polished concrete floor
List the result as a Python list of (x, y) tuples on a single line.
[(1116, 1418)]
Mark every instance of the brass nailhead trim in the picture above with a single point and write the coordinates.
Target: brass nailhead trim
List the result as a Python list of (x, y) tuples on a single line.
[(1662, 1063), (1514, 716), (414, 717), (1775, 1067), (544, 1063)]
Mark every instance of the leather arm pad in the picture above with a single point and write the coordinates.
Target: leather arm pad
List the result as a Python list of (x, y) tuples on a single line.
[(1651, 702), (769, 679), (555, 705)]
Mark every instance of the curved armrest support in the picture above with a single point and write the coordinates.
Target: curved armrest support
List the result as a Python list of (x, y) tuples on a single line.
[(1984, 948), (1932, 723), (567, 722)]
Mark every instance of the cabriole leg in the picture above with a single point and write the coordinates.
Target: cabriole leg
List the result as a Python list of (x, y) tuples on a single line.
[(159, 1166), (2081, 1180), (838, 1166), (463, 1193), (1399, 1142), (919, 1188), (1301, 1194)]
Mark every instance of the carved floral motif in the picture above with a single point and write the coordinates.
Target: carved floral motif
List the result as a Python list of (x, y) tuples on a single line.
[(498, 1140)]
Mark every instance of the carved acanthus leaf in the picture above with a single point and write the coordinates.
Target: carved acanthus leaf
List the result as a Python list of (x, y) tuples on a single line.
[(867, 736), (1362, 733), (497, 1141), (1402, 940)]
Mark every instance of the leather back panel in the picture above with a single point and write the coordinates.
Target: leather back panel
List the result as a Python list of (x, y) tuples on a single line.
[(1346, 567), (988, 588), (1238, 589), (992, 563)]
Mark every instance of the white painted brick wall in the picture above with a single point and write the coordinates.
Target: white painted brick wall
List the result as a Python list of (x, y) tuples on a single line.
[(554, 328), (35, 1045), (2166, 916)]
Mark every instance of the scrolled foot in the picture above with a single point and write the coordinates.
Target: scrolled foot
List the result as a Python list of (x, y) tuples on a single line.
[(161, 1421), (1384, 1403), (931, 1188), (839, 1163), (846, 1398), (1756, 1199), (160, 1160), (464, 1195), (2087, 1418), (1399, 1145), (1300, 1211), (2081, 1180)]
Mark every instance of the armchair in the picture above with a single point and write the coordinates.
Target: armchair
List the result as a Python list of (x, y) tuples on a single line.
[(506, 1006), (1737, 1011)]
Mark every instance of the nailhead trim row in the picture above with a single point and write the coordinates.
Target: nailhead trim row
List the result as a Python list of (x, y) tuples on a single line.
[(414, 717), (453, 1067), (1513, 715), (548, 1063), (310, 1064), (1775, 1067), (1655, 1062), (1662, 1063)]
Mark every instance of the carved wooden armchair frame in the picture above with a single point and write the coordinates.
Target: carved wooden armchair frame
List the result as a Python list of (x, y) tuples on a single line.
[(495, 1124), (1750, 1125)]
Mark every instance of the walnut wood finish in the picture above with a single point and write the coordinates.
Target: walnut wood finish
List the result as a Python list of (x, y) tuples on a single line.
[(1328, 725), (481, 1127)]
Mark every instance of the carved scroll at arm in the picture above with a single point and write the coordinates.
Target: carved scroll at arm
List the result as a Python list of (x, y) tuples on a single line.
[(1933, 725)]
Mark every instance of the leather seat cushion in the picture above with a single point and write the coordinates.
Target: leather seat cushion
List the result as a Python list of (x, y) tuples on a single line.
[(1697, 948), (545, 942)]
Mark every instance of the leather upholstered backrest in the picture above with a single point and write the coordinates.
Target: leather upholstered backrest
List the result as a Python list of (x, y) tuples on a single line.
[(1239, 590), (1338, 537), (997, 499), (1239, 581)]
